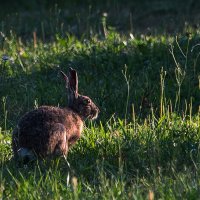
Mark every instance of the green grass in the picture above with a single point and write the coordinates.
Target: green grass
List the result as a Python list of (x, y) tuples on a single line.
[(145, 142), (114, 161)]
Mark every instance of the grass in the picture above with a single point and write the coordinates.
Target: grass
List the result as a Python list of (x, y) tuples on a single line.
[(114, 161), (145, 144)]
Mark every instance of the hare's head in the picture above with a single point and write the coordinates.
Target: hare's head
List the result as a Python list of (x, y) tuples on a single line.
[(81, 104)]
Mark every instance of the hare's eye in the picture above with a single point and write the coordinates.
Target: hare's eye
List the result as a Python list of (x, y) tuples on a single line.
[(86, 101)]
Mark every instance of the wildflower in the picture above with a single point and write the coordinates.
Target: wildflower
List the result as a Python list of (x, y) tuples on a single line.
[(105, 14), (5, 58)]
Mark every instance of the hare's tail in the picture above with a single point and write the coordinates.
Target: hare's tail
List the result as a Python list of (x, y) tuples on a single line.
[(25, 155)]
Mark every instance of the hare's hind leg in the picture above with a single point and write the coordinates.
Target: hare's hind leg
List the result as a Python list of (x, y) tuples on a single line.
[(58, 141)]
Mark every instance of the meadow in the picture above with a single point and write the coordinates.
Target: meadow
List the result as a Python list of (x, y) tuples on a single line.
[(145, 80)]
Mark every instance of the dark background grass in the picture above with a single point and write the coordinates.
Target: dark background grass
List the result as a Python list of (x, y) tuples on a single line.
[(86, 16)]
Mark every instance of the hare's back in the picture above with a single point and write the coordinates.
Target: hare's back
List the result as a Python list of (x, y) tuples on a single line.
[(36, 119)]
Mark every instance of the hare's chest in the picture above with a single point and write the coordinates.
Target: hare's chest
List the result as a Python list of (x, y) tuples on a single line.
[(74, 132)]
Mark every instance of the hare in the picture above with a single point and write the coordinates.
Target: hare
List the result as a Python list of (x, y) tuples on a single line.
[(51, 131)]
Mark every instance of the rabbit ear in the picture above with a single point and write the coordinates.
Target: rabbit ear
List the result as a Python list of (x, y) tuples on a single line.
[(73, 81), (69, 90), (71, 85), (65, 78)]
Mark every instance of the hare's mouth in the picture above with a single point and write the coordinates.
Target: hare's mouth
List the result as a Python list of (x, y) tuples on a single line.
[(93, 115)]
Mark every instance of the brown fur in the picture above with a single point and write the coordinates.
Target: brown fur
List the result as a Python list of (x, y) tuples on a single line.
[(48, 130)]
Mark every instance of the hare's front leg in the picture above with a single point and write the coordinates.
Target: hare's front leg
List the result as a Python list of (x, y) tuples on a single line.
[(58, 140)]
